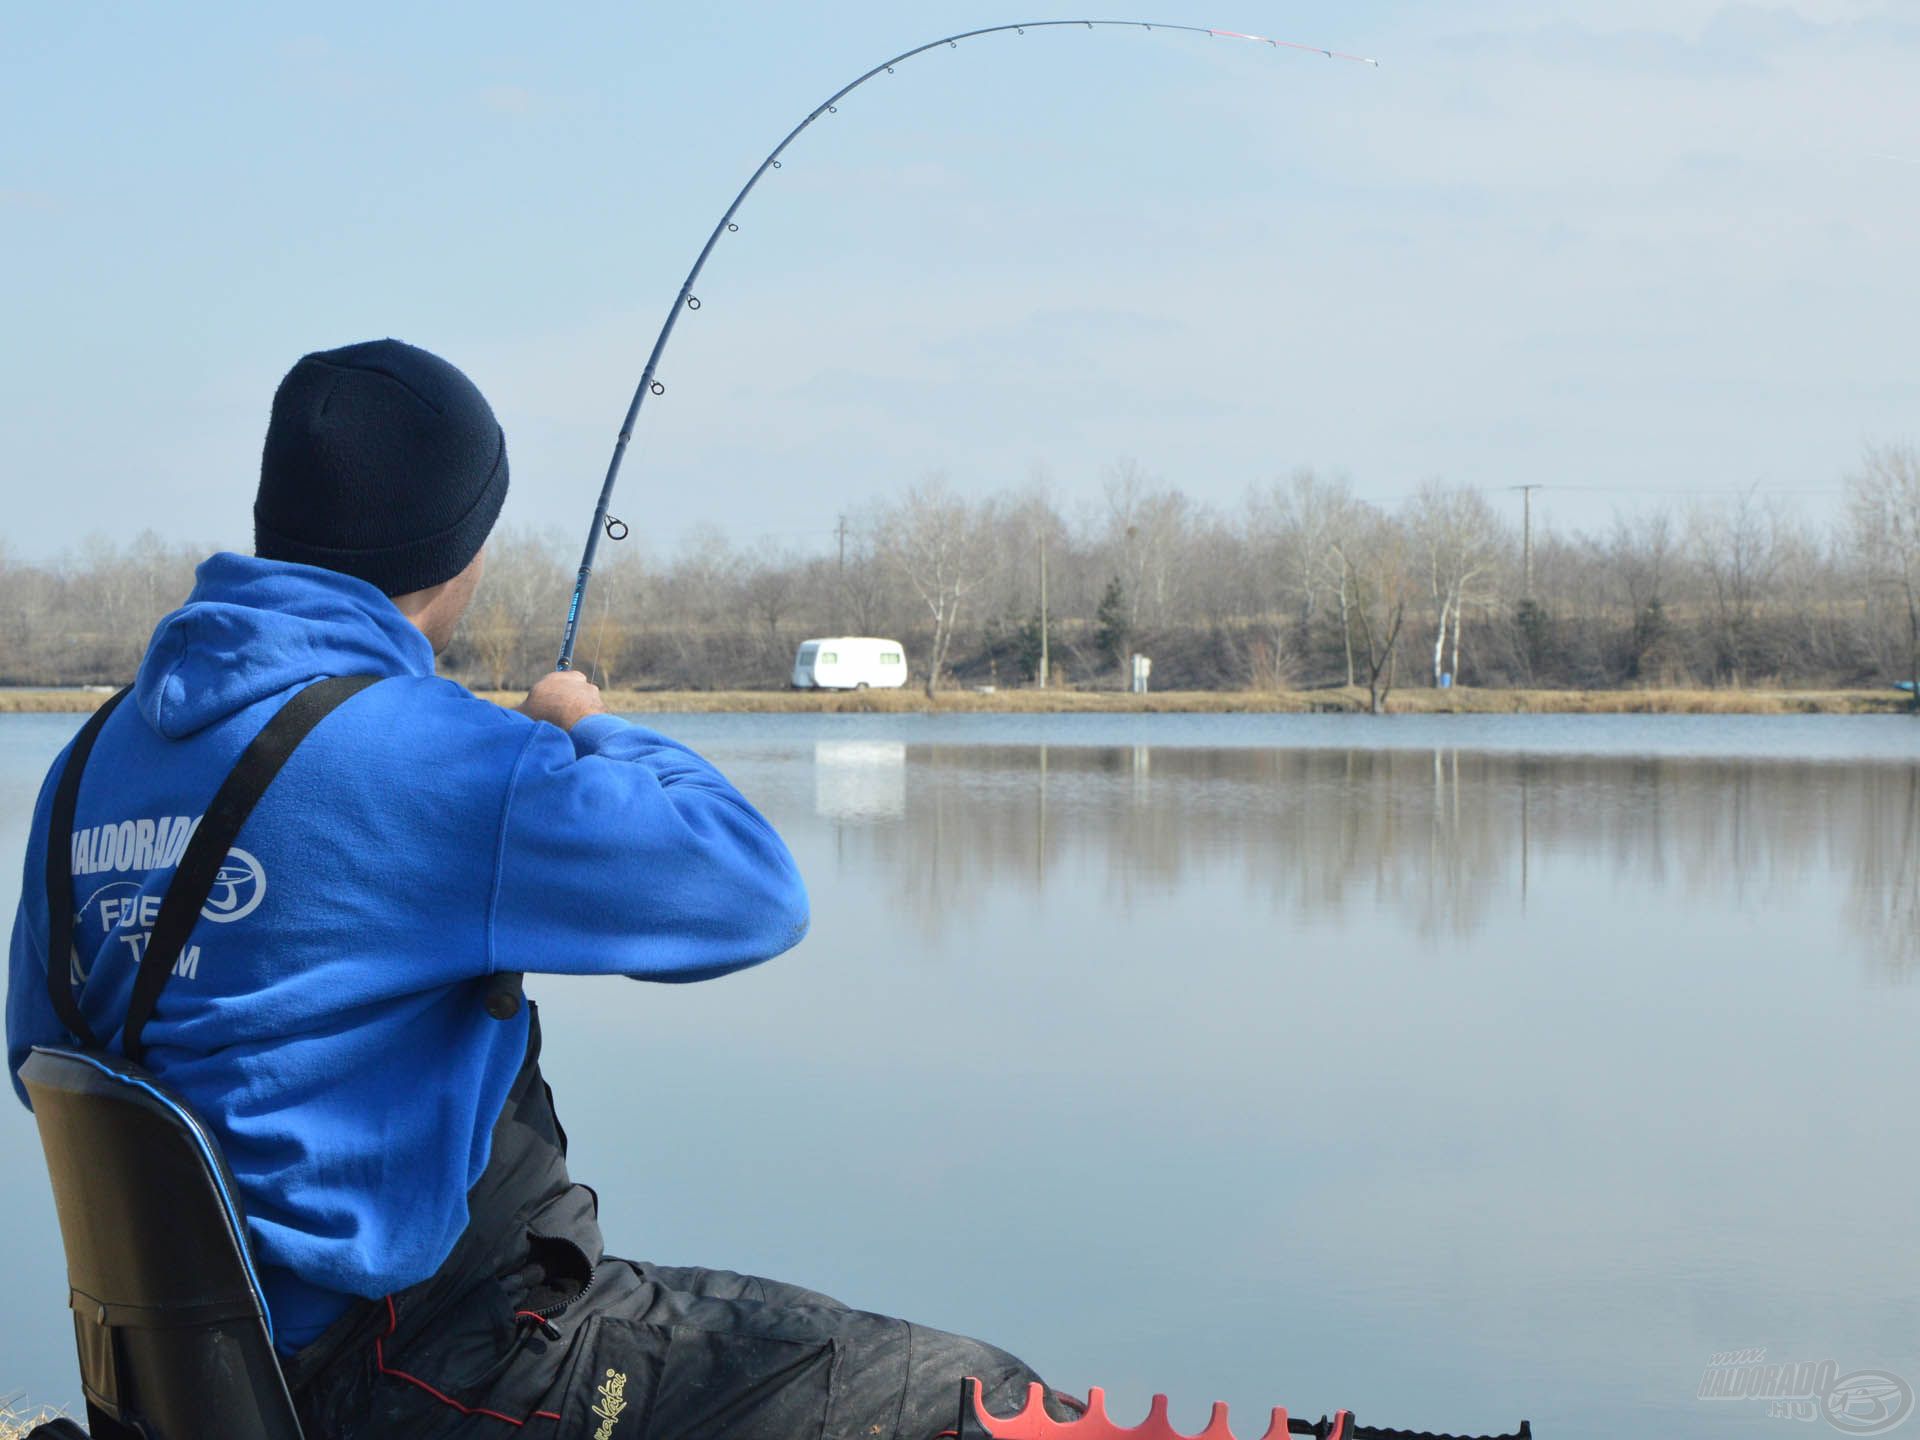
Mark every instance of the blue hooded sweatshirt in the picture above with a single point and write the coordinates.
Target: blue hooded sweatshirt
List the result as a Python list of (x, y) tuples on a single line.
[(326, 1015)]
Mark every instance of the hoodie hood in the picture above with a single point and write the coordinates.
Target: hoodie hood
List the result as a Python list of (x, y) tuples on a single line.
[(253, 628)]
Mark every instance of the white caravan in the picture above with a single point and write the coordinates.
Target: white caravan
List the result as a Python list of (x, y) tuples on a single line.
[(849, 662)]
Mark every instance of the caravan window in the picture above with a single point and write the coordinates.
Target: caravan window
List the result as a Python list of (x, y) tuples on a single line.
[(889, 657), (827, 657)]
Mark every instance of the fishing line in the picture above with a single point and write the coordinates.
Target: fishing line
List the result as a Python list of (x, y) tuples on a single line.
[(650, 383)]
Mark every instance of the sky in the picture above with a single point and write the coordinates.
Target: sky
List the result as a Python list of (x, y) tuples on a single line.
[(1632, 252)]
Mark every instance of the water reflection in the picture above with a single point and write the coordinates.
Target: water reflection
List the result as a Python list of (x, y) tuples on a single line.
[(1221, 1057), (859, 779), (1438, 839), (1885, 871)]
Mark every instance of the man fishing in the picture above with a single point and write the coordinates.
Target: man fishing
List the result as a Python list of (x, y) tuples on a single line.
[(428, 1264)]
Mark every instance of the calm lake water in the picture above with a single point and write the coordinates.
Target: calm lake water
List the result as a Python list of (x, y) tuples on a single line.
[(1452, 1069)]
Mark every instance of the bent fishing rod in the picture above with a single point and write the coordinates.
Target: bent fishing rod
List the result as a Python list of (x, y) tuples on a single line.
[(613, 529), (504, 989)]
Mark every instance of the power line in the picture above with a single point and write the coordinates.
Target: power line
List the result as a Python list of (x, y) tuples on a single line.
[(1382, 497), (1688, 493)]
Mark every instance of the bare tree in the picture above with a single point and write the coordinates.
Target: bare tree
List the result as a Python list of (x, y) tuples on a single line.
[(1373, 556), (1461, 539), (770, 586), (1290, 529), (1336, 562), (1737, 544), (606, 642), (1641, 556), (495, 634), (525, 589), (935, 541), (1147, 525), (1883, 502), (1640, 561)]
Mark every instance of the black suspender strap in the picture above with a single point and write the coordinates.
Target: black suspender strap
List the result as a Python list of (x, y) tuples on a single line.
[(66, 799), (200, 866)]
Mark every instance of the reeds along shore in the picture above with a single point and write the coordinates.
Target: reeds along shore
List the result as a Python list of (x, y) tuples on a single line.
[(1460, 700)]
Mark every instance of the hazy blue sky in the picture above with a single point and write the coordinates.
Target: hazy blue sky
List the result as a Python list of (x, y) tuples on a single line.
[(1665, 245)]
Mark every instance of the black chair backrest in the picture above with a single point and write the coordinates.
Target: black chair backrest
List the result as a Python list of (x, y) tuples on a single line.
[(174, 1336)]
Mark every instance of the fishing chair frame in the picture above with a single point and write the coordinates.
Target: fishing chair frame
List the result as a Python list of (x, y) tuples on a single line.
[(172, 1329), (172, 1326)]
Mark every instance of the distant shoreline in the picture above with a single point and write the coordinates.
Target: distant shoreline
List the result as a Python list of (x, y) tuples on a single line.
[(1413, 701)]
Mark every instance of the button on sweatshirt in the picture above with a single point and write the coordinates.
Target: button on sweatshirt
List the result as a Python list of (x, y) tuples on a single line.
[(326, 1015)]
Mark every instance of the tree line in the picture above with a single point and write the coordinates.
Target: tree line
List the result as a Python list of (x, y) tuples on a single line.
[(1299, 584)]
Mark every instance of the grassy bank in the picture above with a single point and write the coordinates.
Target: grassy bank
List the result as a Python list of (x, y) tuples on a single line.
[(26, 701), (1285, 702), (1227, 702)]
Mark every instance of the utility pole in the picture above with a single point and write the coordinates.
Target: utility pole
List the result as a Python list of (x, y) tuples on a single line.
[(1043, 610), (1526, 540), (840, 587)]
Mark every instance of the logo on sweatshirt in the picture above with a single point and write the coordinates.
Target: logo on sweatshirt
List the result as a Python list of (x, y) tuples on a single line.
[(125, 915), (123, 911), (142, 844), (149, 845), (237, 890)]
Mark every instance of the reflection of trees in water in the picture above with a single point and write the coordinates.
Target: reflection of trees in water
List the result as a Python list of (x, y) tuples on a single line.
[(1438, 837), (1885, 866)]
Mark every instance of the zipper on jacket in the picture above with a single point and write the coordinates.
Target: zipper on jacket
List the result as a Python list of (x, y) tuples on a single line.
[(545, 1318), (575, 1298)]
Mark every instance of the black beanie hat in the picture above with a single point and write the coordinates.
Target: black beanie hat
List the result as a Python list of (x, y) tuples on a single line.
[(382, 461)]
